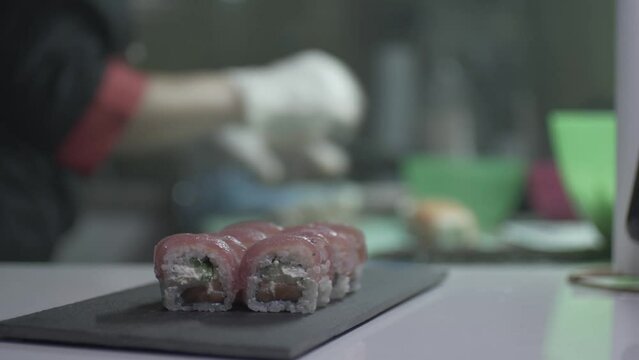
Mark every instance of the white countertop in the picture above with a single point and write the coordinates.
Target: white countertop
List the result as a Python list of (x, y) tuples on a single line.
[(479, 312)]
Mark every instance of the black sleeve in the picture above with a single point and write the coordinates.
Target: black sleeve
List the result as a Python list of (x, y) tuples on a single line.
[(54, 53)]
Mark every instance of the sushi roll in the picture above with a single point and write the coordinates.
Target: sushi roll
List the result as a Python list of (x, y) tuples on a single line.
[(283, 273), (325, 284), (270, 268), (358, 240), (250, 232), (347, 254), (241, 236), (198, 272), (265, 227)]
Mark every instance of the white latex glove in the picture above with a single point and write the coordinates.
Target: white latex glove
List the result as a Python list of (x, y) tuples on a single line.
[(292, 107)]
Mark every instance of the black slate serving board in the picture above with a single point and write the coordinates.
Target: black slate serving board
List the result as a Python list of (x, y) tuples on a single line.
[(135, 319)]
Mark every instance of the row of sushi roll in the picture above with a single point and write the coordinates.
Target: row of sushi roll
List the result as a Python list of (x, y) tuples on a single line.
[(267, 267)]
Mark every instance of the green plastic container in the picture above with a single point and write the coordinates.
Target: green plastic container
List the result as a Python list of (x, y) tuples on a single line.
[(584, 147), (491, 187)]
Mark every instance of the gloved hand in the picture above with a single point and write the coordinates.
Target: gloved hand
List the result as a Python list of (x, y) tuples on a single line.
[(294, 109)]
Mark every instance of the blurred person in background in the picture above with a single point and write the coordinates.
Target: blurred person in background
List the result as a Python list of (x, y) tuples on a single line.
[(69, 100)]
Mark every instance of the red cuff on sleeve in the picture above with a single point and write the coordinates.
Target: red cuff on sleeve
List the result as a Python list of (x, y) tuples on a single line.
[(91, 139)]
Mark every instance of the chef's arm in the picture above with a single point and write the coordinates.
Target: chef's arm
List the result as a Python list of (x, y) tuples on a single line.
[(176, 109), (290, 107)]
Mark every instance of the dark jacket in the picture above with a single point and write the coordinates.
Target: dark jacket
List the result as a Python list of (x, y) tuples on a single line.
[(53, 57)]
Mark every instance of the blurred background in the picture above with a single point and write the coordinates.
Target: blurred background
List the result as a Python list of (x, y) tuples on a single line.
[(488, 133)]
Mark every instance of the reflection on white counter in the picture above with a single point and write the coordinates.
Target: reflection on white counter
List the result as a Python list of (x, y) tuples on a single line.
[(479, 312)]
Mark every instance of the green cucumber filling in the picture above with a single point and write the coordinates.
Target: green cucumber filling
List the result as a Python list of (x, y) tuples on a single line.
[(207, 274), (206, 270), (281, 281), (283, 271)]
